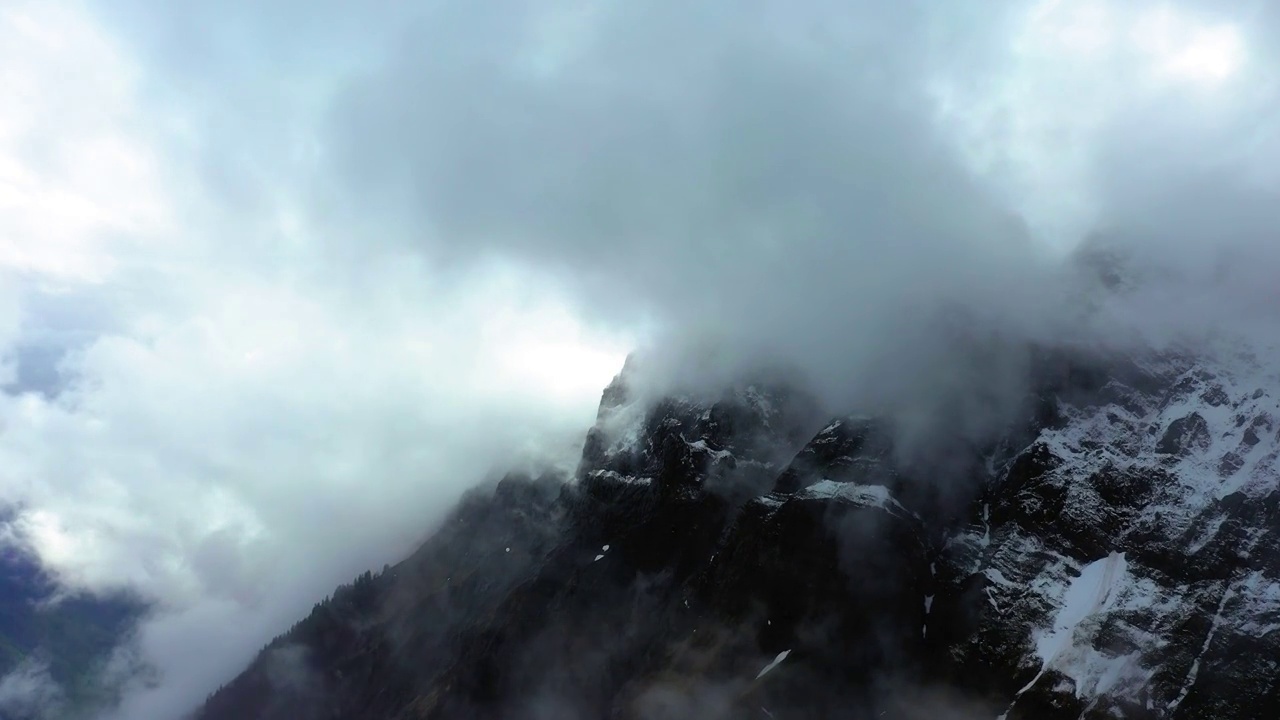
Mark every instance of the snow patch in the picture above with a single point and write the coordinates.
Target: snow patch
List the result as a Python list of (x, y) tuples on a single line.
[(868, 495), (1259, 604), (700, 445), (770, 501), (1091, 593), (1067, 646), (620, 478), (997, 577), (776, 662), (1195, 665)]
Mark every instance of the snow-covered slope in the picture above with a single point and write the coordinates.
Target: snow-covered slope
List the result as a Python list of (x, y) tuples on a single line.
[(1129, 554)]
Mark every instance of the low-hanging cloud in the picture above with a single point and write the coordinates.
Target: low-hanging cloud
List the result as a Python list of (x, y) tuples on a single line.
[(328, 268), (772, 179), (843, 188)]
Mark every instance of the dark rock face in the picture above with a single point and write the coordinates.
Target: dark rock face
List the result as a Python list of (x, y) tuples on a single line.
[(848, 448), (729, 557), (1185, 435)]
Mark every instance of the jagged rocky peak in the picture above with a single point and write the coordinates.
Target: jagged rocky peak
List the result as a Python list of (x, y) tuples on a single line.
[(1110, 554), (618, 393), (847, 448), (681, 439)]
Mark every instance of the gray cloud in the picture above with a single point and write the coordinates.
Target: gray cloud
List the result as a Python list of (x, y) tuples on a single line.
[(29, 691), (782, 181), (774, 176)]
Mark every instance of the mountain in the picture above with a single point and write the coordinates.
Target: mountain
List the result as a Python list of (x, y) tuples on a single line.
[(1112, 554)]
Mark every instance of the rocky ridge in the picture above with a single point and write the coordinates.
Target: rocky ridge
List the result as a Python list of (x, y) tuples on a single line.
[(736, 556)]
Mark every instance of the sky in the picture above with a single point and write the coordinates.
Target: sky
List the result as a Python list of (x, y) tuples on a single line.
[(280, 280)]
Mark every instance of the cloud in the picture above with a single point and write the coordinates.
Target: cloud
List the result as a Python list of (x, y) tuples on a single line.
[(76, 179), (816, 183), (10, 322), (225, 417), (776, 178), (289, 276), (821, 185), (29, 692), (214, 460)]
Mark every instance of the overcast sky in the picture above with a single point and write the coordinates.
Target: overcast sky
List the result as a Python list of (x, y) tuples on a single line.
[(280, 279)]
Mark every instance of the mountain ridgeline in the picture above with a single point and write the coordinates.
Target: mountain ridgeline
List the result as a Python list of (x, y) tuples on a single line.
[(1112, 555)]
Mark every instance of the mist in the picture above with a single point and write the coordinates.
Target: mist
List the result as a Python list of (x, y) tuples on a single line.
[(841, 188), (282, 281)]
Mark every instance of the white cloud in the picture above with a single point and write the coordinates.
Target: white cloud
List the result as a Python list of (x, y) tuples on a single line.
[(270, 441), (75, 177), (245, 420), (1038, 129)]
